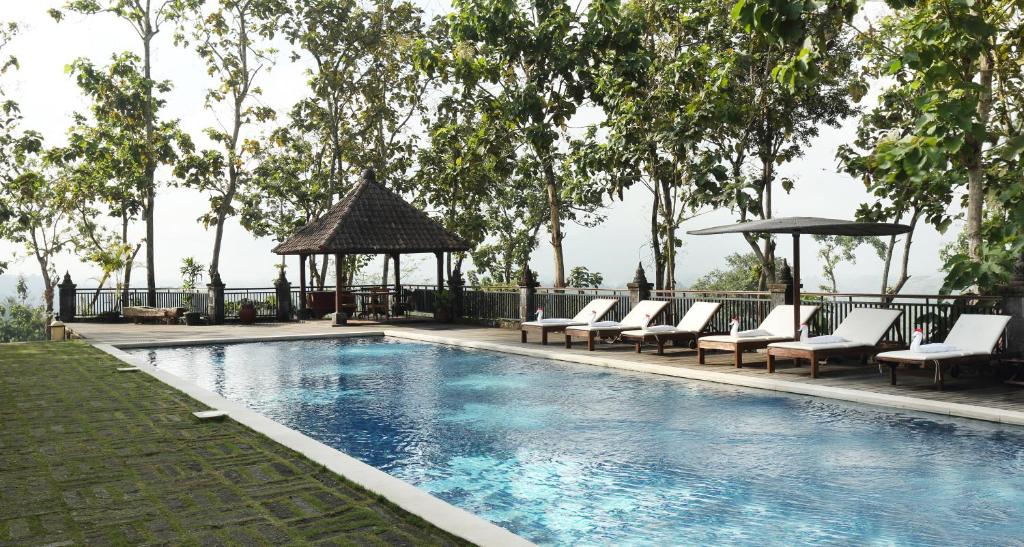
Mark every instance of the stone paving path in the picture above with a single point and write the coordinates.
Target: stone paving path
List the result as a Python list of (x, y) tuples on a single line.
[(90, 456)]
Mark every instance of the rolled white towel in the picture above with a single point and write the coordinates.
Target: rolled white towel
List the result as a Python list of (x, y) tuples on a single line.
[(935, 348), (753, 333), (601, 324), (827, 339)]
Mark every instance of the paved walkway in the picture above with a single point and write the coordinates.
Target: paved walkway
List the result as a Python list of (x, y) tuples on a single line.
[(90, 456), (971, 388)]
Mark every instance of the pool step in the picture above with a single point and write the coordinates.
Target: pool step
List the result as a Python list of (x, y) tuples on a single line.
[(210, 415)]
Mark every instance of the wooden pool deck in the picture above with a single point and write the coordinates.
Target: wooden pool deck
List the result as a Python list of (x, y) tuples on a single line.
[(982, 391)]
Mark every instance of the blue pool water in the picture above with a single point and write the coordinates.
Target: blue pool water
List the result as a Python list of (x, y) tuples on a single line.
[(572, 454)]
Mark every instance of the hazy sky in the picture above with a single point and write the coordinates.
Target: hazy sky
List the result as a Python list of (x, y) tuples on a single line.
[(48, 96)]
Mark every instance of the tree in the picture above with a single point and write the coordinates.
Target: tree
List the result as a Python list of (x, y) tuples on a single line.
[(837, 249), (581, 277), (39, 206), (950, 119), (743, 272), (767, 119), (227, 39), (528, 60), (146, 19), (106, 162), (653, 83), (19, 320), (10, 116)]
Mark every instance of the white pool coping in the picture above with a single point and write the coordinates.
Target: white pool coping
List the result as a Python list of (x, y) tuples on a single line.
[(437, 512), (458, 521)]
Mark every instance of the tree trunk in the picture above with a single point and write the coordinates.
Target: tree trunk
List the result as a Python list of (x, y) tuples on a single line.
[(905, 262), (659, 261), (668, 213), (886, 265), (973, 148), (554, 207), (150, 174)]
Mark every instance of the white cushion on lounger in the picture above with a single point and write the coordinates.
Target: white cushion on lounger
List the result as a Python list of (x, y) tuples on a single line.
[(734, 339), (919, 356), (816, 347), (974, 334), (643, 314), (779, 321), (862, 327), (867, 325), (551, 322), (693, 321), (599, 305)]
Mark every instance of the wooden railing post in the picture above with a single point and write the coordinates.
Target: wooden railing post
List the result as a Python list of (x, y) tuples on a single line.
[(215, 300), (782, 290), (283, 290), (66, 299), (1013, 305), (639, 288), (527, 294), (455, 285)]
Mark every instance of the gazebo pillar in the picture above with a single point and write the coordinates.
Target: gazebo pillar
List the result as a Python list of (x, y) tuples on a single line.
[(339, 316), (440, 270), (396, 307), (303, 312)]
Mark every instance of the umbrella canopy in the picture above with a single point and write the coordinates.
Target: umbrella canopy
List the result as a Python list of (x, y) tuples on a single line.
[(805, 225)]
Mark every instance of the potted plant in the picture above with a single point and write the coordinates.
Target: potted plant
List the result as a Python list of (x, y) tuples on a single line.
[(191, 272), (443, 307), (246, 312)]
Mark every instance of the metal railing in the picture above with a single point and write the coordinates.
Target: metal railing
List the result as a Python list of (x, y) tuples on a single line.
[(934, 313), (488, 303), (90, 303)]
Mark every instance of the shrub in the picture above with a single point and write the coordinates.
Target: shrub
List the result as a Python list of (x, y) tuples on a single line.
[(19, 320)]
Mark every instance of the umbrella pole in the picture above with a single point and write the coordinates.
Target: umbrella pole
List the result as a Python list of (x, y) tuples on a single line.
[(796, 286)]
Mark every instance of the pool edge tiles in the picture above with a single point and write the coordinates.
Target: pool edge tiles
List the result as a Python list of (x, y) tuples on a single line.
[(441, 514), (885, 400)]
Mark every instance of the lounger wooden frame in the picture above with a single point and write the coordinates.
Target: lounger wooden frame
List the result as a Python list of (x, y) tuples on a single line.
[(658, 338), (737, 347), (940, 365), (814, 356), (544, 330)]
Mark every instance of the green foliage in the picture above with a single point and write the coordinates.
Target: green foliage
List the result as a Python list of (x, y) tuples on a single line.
[(581, 277), (232, 40), (837, 249), (21, 321), (191, 273), (742, 273)]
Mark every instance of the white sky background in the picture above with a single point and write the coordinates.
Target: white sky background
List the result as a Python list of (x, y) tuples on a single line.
[(48, 96)]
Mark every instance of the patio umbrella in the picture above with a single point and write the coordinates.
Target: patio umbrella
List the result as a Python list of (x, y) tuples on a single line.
[(805, 225)]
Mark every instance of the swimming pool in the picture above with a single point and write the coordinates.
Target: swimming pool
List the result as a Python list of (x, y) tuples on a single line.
[(574, 454)]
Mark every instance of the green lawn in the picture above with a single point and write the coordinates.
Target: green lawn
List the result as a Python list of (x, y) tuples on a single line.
[(91, 456)]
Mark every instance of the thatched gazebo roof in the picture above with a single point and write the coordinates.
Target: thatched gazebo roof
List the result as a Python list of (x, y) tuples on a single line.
[(372, 220)]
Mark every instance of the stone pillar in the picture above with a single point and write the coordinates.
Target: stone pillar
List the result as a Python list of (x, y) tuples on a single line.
[(66, 299), (527, 294), (782, 290), (455, 284), (639, 288), (1013, 305), (215, 300), (283, 290)]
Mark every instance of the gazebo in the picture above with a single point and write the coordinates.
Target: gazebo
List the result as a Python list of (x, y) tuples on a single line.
[(370, 219)]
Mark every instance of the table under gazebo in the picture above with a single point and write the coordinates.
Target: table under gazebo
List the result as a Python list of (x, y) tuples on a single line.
[(370, 219)]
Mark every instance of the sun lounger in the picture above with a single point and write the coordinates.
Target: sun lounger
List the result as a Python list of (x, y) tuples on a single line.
[(593, 311), (139, 314), (694, 321), (857, 336), (639, 317), (971, 341), (776, 327)]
